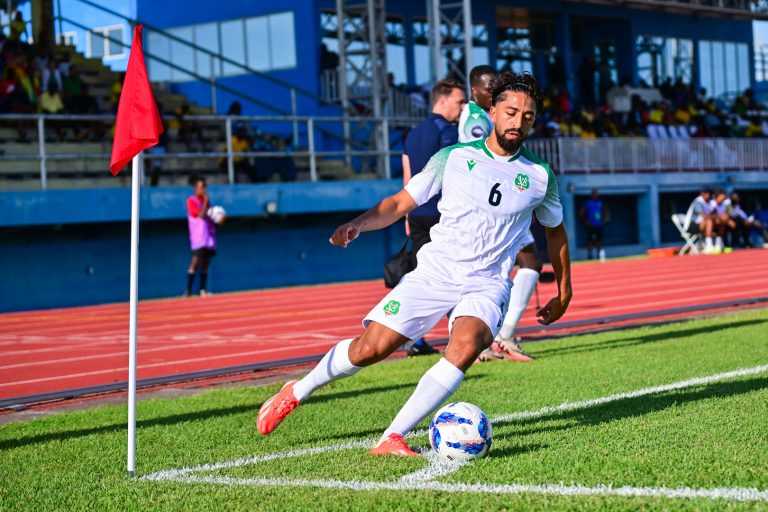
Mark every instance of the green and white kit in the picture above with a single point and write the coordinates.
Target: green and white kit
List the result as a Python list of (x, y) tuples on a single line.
[(485, 213)]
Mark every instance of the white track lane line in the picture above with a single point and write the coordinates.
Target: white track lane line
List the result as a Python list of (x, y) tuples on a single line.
[(423, 479)]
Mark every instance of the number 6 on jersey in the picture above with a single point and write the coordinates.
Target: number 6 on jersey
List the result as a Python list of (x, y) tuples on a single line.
[(495, 197)]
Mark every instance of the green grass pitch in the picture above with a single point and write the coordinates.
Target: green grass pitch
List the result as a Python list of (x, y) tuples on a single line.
[(699, 437)]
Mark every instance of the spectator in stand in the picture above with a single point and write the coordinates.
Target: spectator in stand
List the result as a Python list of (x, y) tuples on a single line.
[(755, 128), (50, 101), (8, 86), (244, 171), (51, 74), (64, 65), (587, 130), (186, 130), (698, 219), (115, 90), (72, 84), (85, 104), (17, 29)]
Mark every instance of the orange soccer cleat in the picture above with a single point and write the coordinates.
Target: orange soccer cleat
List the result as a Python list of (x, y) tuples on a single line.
[(393, 444), (276, 409)]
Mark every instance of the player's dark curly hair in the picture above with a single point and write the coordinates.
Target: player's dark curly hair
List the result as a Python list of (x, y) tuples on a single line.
[(195, 178), (511, 81)]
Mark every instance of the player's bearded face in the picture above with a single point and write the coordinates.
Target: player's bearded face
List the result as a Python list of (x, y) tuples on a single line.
[(513, 117), (510, 140)]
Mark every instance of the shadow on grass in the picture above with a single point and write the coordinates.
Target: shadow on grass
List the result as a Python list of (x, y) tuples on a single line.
[(630, 407), (512, 451), (174, 419), (682, 332)]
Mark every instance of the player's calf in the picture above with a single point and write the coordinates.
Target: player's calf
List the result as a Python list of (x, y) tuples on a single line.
[(469, 337)]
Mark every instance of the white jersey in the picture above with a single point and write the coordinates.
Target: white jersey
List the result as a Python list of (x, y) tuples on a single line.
[(696, 213), (485, 211), (474, 123)]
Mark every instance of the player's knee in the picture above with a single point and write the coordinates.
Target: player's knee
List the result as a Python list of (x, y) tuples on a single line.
[(465, 348), (368, 349)]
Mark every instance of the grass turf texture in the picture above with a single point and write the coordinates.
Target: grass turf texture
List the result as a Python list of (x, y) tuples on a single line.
[(713, 435)]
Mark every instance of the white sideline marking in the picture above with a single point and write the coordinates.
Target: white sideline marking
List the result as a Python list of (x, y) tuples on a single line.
[(722, 493), (424, 478)]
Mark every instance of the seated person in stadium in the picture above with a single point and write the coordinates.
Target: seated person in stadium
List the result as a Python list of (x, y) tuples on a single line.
[(745, 225), (721, 219), (85, 104), (698, 219), (241, 143)]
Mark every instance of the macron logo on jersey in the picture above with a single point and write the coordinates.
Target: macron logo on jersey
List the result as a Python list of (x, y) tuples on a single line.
[(471, 164)]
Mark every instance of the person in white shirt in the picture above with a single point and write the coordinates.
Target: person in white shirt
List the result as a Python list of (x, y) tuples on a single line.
[(721, 218), (475, 124), (490, 190), (699, 218), (743, 223)]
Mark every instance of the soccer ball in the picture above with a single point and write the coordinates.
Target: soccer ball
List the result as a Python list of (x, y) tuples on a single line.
[(217, 214), (460, 432)]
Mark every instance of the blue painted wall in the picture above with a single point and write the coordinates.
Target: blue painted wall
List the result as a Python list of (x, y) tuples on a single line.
[(78, 264), (71, 247)]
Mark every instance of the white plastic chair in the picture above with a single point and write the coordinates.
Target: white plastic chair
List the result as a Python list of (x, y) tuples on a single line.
[(692, 240)]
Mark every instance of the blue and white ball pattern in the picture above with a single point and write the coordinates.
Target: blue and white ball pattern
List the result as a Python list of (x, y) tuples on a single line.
[(460, 432)]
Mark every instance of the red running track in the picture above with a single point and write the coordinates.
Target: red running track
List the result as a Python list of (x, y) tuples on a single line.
[(53, 350)]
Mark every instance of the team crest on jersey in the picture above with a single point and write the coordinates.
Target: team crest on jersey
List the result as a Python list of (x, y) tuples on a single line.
[(522, 181), (392, 307), (471, 164)]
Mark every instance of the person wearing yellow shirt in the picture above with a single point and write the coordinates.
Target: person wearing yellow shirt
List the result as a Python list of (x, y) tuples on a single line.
[(50, 101), (18, 28)]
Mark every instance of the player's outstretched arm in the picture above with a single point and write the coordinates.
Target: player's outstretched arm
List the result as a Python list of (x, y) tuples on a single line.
[(384, 213), (557, 243)]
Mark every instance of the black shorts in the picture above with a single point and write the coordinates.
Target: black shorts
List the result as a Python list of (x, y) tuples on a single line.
[(595, 234), (204, 252), (420, 226)]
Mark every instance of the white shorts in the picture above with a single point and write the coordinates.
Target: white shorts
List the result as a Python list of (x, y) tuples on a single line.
[(418, 302)]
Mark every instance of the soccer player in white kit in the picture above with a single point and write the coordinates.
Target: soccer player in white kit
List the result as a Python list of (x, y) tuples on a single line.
[(475, 124), (490, 189)]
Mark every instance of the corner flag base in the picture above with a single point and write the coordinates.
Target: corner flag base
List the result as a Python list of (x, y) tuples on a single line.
[(131, 474)]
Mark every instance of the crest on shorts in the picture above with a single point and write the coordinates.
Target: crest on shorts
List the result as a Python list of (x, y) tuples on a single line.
[(392, 307), (522, 181)]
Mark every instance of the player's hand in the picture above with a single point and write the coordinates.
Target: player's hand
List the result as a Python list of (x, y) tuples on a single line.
[(344, 234), (552, 311)]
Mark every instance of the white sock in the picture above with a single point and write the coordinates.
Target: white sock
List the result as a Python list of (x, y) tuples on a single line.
[(435, 386), (335, 365), (522, 288), (719, 242), (708, 242)]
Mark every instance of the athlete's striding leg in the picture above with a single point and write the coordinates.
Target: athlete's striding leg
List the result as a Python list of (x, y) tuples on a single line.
[(349, 356), (469, 336), (343, 360), (523, 286)]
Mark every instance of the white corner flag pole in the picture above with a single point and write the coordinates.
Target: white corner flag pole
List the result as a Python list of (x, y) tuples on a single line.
[(133, 316)]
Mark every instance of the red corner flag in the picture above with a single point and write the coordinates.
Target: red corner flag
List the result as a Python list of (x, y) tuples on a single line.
[(138, 122)]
